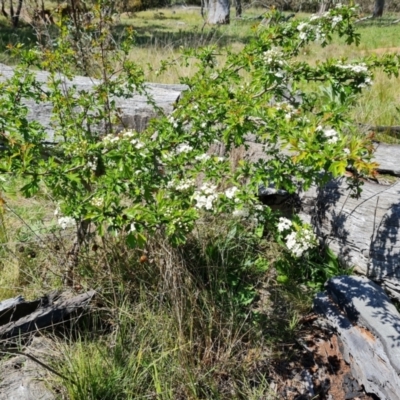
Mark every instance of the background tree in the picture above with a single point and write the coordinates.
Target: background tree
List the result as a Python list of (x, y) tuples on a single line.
[(12, 14), (216, 11), (378, 8), (238, 6)]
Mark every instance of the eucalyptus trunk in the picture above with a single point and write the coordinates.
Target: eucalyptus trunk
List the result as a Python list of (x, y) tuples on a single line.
[(378, 9), (217, 11)]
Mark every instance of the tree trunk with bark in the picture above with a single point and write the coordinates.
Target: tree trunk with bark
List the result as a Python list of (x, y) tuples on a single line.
[(13, 16), (325, 6), (218, 12), (378, 9), (238, 6)]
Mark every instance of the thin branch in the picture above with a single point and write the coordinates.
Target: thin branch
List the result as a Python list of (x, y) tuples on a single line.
[(21, 353)]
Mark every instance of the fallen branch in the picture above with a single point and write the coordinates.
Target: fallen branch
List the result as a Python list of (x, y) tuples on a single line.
[(27, 317), (382, 128)]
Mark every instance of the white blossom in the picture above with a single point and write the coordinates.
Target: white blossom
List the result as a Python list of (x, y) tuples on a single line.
[(185, 184), (346, 151), (230, 193), (110, 139), (273, 55), (204, 201), (183, 148), (202, 157), (302, 26), (356, 68), (303, 35), (92, 164), (367, 82), (97, 202), (330, 134), (132, 228), (298, 242), (284, 224), (137, 144), (241, 212), (336, 20), (66, 222), (208, 188), (205, 196), (128, 134)]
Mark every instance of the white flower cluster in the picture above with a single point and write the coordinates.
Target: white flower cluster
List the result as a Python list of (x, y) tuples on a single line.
[(66, 222), (284, 224), (206, 196), (356, 68), (273, 56), (288, 108), (230, 193), (336, 19), (110, 140), (181, 186), (316, 23), (92, 164), (137, 144), (330, 134), (304, 30), (367, 82), (241, 212), (173, 121), (297, 241), (97, 202), (183, 148), (360, 70), (202, 157)]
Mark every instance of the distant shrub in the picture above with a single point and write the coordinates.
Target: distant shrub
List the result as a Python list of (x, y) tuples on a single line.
[(140, 5)]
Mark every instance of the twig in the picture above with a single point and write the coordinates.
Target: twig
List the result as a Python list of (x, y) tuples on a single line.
[(21, 353), (364, 19)]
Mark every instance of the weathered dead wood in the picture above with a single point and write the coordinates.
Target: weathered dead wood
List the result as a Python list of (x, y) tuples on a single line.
[(44, 315), (381, 128), (14, 309), (9, 303), (364, 232), (135, 111), (388, 157), (368, 325)]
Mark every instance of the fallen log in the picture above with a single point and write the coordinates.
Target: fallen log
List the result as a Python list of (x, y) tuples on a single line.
[(136, 111), (394, 129), (364, 232), (368, 325), (32, 316)]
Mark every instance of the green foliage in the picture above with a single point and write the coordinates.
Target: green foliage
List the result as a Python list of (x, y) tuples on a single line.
[(139, 184), (312, 271), (183, 235)]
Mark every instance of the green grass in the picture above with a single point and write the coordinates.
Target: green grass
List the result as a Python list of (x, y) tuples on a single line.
[(180, 329)]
